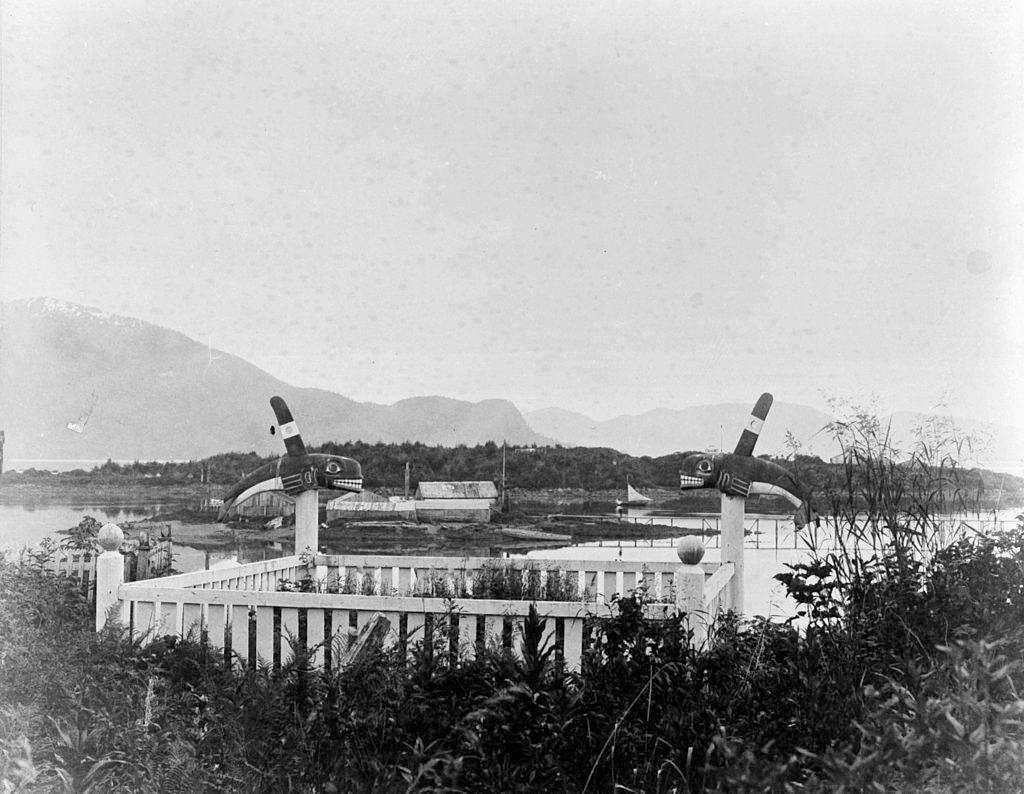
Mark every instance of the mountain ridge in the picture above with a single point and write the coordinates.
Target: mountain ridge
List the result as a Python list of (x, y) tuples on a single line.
[(184, 400)]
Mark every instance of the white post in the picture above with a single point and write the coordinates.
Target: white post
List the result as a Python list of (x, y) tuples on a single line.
[(732, 548), (109, 571), (307, 522), (688, 581)]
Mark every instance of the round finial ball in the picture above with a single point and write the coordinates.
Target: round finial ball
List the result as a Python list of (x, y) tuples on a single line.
[(110, 537), (690, 550)]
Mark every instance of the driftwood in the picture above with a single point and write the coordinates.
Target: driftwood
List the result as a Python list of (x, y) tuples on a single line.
[(370, 636)]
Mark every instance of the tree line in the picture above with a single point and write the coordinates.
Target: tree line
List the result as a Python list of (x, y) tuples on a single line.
[(534, 468)]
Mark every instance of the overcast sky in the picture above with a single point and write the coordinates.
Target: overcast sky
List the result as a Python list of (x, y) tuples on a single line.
[(605, 206)]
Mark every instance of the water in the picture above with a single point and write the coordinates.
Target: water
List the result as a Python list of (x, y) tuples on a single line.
[(26, 524)]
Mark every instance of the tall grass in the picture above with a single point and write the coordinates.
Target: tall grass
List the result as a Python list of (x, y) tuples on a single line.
[(905, 674)]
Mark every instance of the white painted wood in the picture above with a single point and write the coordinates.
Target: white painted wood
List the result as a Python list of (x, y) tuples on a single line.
[(289, 629), (307, 522), (315, 637), (264, 634), (733, 546)]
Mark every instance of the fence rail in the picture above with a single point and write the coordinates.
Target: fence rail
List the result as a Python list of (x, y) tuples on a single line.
[(139, 563), (243, 612)]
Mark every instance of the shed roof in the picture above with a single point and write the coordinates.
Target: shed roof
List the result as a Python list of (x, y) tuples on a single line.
[(481, 489)]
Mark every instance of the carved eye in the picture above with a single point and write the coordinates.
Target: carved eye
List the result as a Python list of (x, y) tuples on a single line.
[(332, 467), (704, 467)]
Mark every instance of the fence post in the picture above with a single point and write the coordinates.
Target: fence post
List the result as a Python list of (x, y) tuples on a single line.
[(732, 547), (109, 571), (689, 586), (307, 522), (142, 562)]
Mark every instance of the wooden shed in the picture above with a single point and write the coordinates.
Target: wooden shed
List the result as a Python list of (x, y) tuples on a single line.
[(456, 501)]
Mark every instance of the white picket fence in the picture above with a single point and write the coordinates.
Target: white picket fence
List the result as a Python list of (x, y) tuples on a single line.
[(243, 612), (138, 564)]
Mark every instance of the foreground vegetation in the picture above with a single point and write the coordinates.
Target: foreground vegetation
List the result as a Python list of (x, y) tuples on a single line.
[(906, 677), (902, 671)]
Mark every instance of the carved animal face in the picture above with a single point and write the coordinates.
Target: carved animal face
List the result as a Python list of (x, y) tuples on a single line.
[(698, 470), (337, 473)]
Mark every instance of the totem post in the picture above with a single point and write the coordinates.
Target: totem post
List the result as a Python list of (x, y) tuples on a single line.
[(732, 547), (307, 521)]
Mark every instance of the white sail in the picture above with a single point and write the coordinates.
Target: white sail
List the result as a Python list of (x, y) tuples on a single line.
[(633, 495)]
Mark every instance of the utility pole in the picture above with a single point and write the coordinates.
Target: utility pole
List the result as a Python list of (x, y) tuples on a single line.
[(407, 479), (504, 489)]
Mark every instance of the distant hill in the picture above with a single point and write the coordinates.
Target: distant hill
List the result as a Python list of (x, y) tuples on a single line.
[(157, 394), (664, 431)]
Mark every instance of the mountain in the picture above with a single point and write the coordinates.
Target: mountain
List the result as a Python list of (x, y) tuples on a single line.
[(145, 392), (663, 431)]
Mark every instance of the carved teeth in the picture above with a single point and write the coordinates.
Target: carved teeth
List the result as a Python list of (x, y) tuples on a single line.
[(685, 481), (348, 485)]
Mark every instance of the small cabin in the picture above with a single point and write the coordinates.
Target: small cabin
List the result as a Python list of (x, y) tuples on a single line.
[(456, 501)]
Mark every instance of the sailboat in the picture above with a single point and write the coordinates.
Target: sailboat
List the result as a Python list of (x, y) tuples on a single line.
[(633, 498)]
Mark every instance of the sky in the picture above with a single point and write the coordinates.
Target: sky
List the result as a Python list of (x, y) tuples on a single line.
[(607, 207)]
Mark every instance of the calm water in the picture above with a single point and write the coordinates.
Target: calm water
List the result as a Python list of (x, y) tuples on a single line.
[(27, 524)]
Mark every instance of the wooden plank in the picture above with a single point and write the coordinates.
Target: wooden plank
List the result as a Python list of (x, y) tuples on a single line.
[(289, 632), (611, 586), (192, 620), (239, 616), (315, 637), (372, 635), (548, 638), (573, 643), (145, 617), (473, 563), (518, 638), (494, 625), (387, 581), (339, 633), (467, 636), (414, 629), (392, 636), (216, 621), (170, 618), (714, 584), (265, 634)]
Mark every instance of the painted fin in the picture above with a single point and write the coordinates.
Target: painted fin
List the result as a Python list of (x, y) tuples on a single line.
[(289, 430), (748, 438)]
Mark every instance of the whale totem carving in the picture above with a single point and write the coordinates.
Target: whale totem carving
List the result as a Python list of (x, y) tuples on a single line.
[(740, 474), (297, 470)]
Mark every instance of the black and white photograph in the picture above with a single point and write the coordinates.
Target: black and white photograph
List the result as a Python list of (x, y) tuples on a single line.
[(507, 396)]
